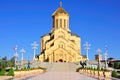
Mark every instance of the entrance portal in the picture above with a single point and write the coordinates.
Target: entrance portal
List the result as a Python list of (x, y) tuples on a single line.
[(60, 60)]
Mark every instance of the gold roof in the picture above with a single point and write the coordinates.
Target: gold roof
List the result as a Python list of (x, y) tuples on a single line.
[(60, 10)]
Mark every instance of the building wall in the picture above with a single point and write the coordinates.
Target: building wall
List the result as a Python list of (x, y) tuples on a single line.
[(61, 45)]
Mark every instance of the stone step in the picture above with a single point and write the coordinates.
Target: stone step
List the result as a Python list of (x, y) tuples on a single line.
[(58, 66)]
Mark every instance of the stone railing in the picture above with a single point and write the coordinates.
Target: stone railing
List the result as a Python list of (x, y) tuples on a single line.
[(27, 73), (99, 74)]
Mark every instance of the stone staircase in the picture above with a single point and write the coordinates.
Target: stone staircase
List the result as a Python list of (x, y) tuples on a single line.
[(59, 67)]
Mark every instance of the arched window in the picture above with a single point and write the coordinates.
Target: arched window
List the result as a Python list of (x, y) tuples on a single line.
[(61, 45), (64, 23), (56, 23), (61, 34), (67, 23), (61, 23)]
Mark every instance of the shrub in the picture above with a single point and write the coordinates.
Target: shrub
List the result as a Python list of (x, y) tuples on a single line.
[(102, 69), (17, 68), (94, 68), (2, 72), (11, 72), (116, 65), (114, 74), (25, 68), (98, 68)]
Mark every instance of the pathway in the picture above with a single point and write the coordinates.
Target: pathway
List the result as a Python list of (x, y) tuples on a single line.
[(61, 76), (61, 71)]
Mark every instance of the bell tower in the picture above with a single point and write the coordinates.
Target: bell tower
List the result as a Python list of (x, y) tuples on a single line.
[(60, 19)]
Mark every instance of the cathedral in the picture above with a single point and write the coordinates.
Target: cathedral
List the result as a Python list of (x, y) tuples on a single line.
[(60, 45)]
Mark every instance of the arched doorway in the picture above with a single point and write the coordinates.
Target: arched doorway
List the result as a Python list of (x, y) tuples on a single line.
[(60, 60)]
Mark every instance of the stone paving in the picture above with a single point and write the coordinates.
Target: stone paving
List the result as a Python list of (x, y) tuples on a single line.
[(61, 76), (61, 71)]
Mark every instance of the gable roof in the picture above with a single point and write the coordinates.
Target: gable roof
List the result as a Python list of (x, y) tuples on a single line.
[(60, 10)]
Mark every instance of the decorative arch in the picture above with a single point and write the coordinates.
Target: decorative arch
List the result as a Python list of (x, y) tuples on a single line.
[(61, 45), (61, 34)]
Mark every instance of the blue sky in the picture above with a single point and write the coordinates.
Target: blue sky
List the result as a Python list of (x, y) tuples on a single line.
[(25, 21)]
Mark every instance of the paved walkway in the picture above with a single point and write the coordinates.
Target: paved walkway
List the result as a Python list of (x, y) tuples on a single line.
[(61, 71), (61, 76)]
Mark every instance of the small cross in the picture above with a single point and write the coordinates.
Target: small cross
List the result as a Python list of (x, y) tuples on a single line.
[(87, 45), (60, 4)]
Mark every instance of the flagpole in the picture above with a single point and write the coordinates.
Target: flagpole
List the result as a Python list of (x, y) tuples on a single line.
[(16, 54)]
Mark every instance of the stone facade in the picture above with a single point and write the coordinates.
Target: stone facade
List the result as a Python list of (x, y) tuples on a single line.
[(60, 45)]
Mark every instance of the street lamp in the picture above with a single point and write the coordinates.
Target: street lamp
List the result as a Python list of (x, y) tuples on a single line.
[(105, 56), (34, 47), (15, 56), (87, 45), (99, 52), (22, 51)]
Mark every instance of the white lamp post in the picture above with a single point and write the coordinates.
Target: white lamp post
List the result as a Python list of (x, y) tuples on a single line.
[(105, 56), (87, 45), (99, 52), (34, 47), (22, 51), (16, 57), (16, 54)]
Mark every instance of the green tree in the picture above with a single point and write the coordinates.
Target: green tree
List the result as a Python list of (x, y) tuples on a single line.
[(116, 65), (102, 69), (17, 68), (2, 72), (4, 62), (114, 74), (24, 68), (98, 68), (11, 72)]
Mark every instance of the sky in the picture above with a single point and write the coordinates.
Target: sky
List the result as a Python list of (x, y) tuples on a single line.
[(24, 21)]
